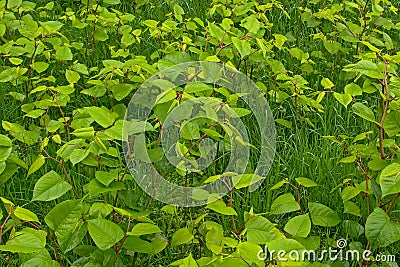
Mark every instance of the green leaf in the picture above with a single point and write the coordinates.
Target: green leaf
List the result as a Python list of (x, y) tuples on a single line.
[(135, 244), (28, 240), (35, 113), (25, 215), (286, 123), (182, 236), (166, 96), (369, 69), (100, 34), (392, 123), (284, 204), (326, 83), (40, 260), (120, 91), (87, 132), (194, 87), (364, 112), (212, 179), (36, 165), (7, 75), (96, 188), (213, 134), (144, 229), (212, 72), (279, 40), (380, 230), (215, 31), (306, 182), (69, 239), (178, 10), (2, 29), (260, 231), (163, 84), (18, 96), (8, 172), (249, 252), (332, 46), (51, 26), (344, 99), (2, 167), (299, 226), (72, 76), (349, 159), (245, 180), (61, 221), (49, 187), (279, 184), (220, 207), (5, 147), (63, 53), (349, 193), (390, 179), (106, 178), (351, 208), (241, 112), (102, 116), (243, 46), (353, 89), (370, 46), (15, 61), (78, 155), (13, 3), (158, 244), (251, 24), (322, 215), (186, 262), (104, 233), (112, 2), (288, 245), (190, 131), (95, 91), (81, 68)]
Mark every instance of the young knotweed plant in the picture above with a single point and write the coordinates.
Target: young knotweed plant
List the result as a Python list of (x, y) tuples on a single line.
[(376, 151)]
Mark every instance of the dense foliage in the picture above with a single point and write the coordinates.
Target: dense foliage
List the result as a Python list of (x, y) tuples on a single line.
[(329, 70)]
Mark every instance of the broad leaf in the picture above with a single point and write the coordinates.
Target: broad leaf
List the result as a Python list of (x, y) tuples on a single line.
[(260, 231), (102, 116), (144, 229), (392, 123), (28, 240), (181, 236), (61, 221), (364, 112), (380, 230), (49, 187), (284, 204), (104, 233), (322, 215), (220, 207), (243, 46), (390, 179), (299, 226), (37, 164), (135, 244), (369, 69)]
